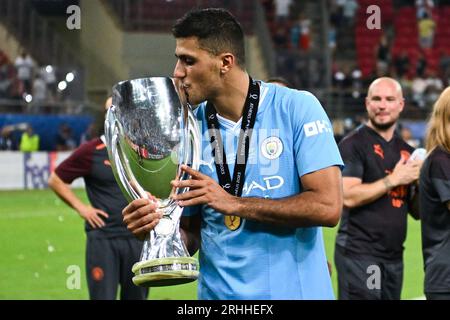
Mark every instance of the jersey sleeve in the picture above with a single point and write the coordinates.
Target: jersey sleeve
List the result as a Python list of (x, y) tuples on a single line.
[(314, 145), (354, 165), (77, 165), (440, 178)]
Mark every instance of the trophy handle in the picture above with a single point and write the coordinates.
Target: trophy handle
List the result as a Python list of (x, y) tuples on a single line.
[(190, 158), (194, 138)]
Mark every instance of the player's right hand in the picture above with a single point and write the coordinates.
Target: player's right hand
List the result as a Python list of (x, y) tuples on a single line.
[(405, 172), (93, 216), (141, 216)]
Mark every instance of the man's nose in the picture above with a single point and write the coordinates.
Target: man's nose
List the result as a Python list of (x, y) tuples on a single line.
[(383, 104), (178, 72)]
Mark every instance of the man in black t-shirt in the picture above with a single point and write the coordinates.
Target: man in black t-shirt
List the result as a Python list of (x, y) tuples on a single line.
[(434, 189), (111, 250), (377, 197)]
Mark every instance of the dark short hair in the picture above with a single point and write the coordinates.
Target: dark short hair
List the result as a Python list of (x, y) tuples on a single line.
[(217, 31)]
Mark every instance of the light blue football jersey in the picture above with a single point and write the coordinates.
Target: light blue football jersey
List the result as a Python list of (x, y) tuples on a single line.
[(292, 136)]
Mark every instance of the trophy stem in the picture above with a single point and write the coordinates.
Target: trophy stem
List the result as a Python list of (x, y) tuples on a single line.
[(164, 258)]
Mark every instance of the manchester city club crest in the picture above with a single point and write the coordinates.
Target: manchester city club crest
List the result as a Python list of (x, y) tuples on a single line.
[(271, 148)]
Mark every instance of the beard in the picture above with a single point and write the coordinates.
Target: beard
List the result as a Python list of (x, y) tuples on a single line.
[(193, 98), (382, 126)]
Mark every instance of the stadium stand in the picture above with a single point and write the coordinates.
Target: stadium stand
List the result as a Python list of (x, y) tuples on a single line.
[(338, 63)]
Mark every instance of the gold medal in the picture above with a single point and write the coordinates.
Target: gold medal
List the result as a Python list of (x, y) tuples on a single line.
[(232, 222)]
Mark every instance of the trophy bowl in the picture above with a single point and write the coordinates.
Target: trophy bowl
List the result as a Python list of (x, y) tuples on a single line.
[(150, 132)]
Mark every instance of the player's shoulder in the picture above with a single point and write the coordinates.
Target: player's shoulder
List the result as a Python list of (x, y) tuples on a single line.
[(355, 137), (91, 145), (95, 142), (295, 102), (280, 91), (439, 155), (437, 163), (403, 144)]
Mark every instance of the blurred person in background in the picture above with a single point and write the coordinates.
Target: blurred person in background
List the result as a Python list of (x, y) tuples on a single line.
[(5, 82), (401, 64), (424, 7), (305, 32), (418, 87), (427, 28), (7, 139), (434, 187), (350, 8), (111, 250), (89, 134), (24, 66), (383, 55), (434, 87), (407, 136), (7, 142), (39, 93), (29, 141), (282, 8), (64, 139), (377, 198), (48, 74)]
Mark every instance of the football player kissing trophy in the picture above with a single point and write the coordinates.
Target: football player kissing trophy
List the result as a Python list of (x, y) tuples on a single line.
[(150, 132)]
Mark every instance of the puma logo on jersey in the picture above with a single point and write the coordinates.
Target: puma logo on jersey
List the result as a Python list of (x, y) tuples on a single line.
[(208, 164), (316, 127), (378, 150)]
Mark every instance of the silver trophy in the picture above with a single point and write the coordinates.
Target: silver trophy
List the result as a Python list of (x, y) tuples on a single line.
[(150, 132)]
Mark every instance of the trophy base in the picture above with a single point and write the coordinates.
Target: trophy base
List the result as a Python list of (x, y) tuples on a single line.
[(165, 271)]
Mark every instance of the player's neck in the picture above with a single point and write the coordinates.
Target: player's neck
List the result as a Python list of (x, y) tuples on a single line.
[(230, 103), (385, 134)]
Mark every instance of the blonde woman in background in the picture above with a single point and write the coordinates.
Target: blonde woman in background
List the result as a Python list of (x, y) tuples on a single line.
[(434, 190)]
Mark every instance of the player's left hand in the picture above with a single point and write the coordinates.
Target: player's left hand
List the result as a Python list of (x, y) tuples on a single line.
[(204, 190)]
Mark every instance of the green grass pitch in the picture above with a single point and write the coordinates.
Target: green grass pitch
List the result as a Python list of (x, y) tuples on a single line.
[(43, 245)]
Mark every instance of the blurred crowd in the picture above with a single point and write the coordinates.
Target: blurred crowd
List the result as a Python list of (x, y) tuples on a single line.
[(24, 80), (293, 31), (423, 71), (22, 137)]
